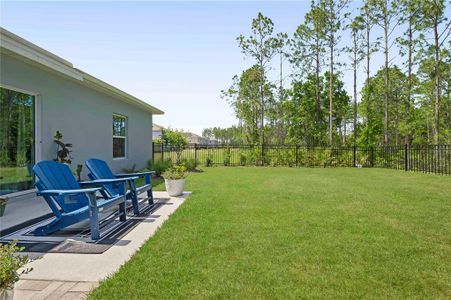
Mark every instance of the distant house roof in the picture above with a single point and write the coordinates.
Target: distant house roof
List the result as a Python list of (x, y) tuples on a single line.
[(192, 138), (22, 49), (197, 139), (156, 127), (192, 135)]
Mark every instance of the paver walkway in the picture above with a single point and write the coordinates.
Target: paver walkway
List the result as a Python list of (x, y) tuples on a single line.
[(72, 276), (52, 290)]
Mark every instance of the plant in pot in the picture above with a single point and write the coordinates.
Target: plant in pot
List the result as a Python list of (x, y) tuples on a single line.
[(78, 171), (3, 202), (174, 180), (64, 149), (10, 263)]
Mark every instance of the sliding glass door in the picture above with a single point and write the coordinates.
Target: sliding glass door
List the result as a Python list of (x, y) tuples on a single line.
[(16, 141)]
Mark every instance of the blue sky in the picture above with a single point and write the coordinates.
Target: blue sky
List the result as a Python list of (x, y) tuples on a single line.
[(175, 55)]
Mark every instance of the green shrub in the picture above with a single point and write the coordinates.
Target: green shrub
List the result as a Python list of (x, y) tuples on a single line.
[(21, 158), (209, 161), (190, 164), (227, 157), (254, 155), (243, 159), (159, 166), (175, 172), (10, 262), (4, 158), (280, 157), (327, 159)]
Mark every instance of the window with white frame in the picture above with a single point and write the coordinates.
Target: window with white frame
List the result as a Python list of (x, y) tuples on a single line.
[(119, 136)]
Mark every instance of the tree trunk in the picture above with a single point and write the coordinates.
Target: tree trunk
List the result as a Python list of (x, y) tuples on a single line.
[(355, 88), (281, 134), (437, 86), (449, 107), (344, 132), (331, 74), (396, 118), (318, 99), (368, 60), (262, 111), (409, 81), (387, 80)]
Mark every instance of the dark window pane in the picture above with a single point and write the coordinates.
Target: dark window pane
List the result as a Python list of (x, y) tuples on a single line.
[(118, 147), (119, 125)]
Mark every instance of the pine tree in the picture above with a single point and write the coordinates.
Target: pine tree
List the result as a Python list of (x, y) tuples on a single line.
[(308, 51), (261, 45), (385, 15), (334, 15), (356, 53)]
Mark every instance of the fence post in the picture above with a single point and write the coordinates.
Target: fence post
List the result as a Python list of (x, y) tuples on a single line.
[(153, 152), (296, 155), (162, 151), (195, 151), (354, 156), (372, 157), (263, 154), (405, 157)]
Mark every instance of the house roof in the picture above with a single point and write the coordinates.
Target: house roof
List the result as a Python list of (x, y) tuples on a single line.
[(192, 135), (156, 127), (25, 50)]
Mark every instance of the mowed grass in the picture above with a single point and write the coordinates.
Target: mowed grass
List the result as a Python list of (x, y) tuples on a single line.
[(265, 233)]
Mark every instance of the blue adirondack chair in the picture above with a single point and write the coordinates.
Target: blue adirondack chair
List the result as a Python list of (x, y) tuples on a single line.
[(99, 169), (69, 202)]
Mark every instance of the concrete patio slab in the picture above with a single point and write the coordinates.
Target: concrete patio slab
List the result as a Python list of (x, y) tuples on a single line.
[(71, 276), (22, 207)]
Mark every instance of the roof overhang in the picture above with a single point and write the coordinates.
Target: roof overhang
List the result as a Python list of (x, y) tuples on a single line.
[(25, 50)]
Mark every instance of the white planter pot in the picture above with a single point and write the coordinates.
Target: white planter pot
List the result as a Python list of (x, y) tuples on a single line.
[(174, 187), (7, 294)]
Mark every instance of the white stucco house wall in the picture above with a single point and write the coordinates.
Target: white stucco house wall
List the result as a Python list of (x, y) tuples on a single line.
[(75, 103)]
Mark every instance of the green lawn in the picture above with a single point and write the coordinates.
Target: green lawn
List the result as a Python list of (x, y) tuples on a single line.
[(298, 233)]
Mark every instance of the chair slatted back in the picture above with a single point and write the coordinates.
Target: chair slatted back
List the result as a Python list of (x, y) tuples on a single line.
[(57, 176), (100, 170)]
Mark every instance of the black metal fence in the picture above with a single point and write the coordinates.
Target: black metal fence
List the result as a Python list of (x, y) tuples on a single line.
[(422, 158)]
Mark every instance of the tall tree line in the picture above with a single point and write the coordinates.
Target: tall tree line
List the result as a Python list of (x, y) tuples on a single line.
[(405, 100)]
